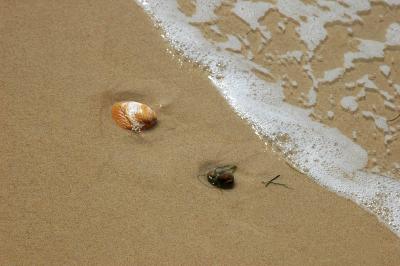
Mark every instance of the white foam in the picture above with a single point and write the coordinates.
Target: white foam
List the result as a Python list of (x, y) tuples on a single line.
[(332, 75), (323, 153), (393, 2), (312, 31), (251, 12), (393, 34), (232, 43), (297, 55), (371, 86), (386, 95), (354, 135), (385, 69), (388, 139), (349, 103), (367, 83), (380, 121), (330, 115), (350, 85), (367, 49), (361, 94), (312, 97), (390, 105), (282, 26), (350, 31), (397, 88), (216, 29), (204, 10)]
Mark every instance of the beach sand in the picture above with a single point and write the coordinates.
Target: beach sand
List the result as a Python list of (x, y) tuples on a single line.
[(76, 189)]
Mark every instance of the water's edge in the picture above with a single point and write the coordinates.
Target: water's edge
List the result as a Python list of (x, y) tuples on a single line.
[(323, 153)]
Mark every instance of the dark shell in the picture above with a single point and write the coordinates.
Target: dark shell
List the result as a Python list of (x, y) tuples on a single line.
[(222, 177)]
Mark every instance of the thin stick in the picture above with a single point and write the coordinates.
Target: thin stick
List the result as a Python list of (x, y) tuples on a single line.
[(280, 184), (275, 183), (271, 181), (394, 118)]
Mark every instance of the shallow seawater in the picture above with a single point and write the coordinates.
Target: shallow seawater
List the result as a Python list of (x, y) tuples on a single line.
[(319, 79)]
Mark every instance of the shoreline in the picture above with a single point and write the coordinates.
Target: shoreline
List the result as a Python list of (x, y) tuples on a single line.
[(78, 188)]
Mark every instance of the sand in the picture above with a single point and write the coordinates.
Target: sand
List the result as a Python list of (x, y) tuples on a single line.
[(76, 189)]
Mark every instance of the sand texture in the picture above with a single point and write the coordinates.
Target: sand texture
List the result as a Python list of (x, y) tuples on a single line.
[(77, 189)]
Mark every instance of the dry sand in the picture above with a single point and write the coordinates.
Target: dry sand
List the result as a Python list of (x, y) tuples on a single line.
[(76, 189)]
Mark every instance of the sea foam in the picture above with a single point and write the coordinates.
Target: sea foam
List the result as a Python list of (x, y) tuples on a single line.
[(323, 153)]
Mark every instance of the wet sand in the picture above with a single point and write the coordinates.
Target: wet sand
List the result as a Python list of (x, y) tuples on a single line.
[(76, 189)]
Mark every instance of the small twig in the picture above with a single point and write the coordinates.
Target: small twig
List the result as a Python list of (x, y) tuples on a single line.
[(280, 184), (391, 120), (275, 183), (271, 181)]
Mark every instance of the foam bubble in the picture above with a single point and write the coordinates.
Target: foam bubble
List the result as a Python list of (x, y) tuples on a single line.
[(385, 69), (332, 75), (393, 34), (380, 121), (330, 115), (349, 103), (397, 88)]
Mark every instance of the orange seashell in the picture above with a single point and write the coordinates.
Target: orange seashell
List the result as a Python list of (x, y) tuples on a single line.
[(133, 115)]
